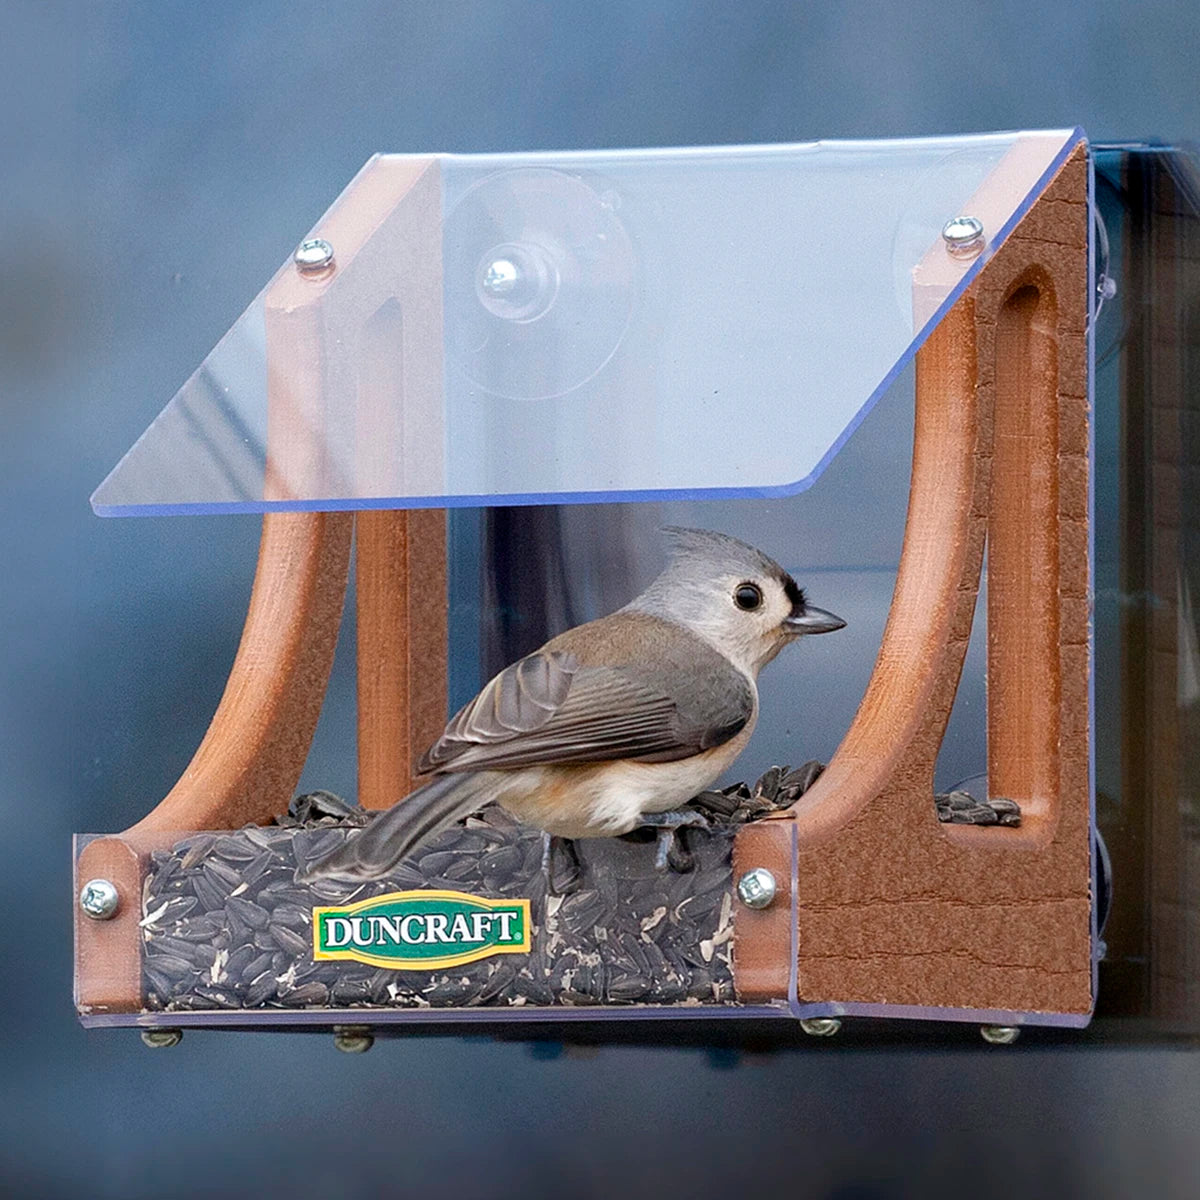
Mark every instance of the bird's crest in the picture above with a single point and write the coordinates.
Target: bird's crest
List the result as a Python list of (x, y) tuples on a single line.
[(719, 552)]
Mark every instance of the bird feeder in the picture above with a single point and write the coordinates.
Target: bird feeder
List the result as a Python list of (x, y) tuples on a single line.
[(469, 357)]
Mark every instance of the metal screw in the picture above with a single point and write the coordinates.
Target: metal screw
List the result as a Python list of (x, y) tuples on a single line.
[(1000, 1035), (821, 1026), (160, 1039), (501, 276), (756, 889), (353, 1039), (99, 899), (963, 236), (313, 254)]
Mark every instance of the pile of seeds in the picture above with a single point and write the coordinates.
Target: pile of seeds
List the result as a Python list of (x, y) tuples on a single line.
[(961, 808), (227, 926), (781, 787)]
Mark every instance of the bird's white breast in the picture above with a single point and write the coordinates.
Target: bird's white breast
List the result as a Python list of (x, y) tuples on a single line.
[(608, 799)]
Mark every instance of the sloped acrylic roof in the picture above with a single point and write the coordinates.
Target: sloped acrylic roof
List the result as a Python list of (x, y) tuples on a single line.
[(608, 325)]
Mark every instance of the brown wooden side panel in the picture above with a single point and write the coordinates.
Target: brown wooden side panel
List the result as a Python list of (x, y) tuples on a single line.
[(894, 908)]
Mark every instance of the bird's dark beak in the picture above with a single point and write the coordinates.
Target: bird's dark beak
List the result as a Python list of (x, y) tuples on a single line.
[(812, 620)]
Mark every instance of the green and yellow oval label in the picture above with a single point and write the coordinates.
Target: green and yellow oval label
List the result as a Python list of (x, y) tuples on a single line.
[(421, 930)]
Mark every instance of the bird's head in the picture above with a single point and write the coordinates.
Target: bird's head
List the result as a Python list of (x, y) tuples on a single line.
[(734, 596)]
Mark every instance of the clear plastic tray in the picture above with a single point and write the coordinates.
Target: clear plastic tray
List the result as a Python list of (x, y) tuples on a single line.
[(478, 924)]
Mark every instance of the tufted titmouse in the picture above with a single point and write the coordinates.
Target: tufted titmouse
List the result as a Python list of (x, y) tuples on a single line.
[(615, 723)]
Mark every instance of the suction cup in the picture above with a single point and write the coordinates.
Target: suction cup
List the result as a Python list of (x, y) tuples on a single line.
[(539, 282)]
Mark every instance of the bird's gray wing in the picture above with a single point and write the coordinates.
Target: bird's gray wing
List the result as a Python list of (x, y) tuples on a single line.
[(547, 708)]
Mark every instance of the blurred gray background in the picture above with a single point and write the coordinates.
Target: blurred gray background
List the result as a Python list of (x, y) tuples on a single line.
[(160, 161)]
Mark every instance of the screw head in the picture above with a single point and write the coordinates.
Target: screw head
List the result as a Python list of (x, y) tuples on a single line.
[(99, 899), (1000, 1035), (353, 1039), (500, 277), (160, 1039), (963, 236), (821, 1026), (756, 889), (313, 254)]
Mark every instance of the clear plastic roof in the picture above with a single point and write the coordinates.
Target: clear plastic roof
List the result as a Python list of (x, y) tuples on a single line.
[(608, 325)]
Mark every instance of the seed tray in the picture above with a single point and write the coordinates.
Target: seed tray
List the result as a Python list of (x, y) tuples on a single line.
[(227, 918)]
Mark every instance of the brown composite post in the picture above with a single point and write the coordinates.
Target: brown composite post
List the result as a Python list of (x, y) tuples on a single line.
[(354, 409), (402, 647)]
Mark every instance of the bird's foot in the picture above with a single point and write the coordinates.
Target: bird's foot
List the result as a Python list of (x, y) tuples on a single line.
[(560, 879), (670, 850)]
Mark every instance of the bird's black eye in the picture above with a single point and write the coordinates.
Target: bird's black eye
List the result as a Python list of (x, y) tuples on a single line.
[(748, 596)]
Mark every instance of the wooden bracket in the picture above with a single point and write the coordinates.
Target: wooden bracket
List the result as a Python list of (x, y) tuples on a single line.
[(893, 908)]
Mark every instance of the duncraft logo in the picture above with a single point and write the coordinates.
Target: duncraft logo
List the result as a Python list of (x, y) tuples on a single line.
[(421, 930)]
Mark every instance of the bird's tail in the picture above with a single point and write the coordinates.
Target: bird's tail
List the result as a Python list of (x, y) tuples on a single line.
[(374, 851)]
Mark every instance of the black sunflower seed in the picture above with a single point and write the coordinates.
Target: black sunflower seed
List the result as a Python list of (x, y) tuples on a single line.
[(502, 863), (192, 952), (177, 907), (332, 891), (435, 863), (627, 987), (768, 785), (194, 850), (263, 839), (289, 941), (221, 874), (280, 891), (261, 989), (450, 992), (171, 966), (292, 915), (263, 961), (238, 961), (320, 804), (160, 984), (234, 849), (246, 911), (350, 991), (307, 994), (257, 868), (211, 897)]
